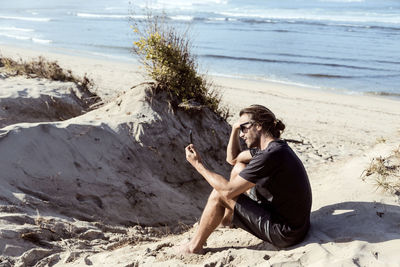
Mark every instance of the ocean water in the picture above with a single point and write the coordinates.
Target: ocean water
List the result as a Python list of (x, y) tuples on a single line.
[(351, 46)]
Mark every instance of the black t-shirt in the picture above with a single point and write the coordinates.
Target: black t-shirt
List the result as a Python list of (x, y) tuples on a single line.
[(281, 183)]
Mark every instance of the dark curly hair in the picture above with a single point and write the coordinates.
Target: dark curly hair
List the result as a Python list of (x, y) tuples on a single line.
[(264, 117)]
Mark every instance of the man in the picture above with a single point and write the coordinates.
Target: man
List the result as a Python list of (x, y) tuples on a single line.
[(276, 207)]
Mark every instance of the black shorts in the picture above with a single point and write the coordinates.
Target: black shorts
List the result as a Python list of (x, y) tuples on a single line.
[(259, 220), (252, 217)]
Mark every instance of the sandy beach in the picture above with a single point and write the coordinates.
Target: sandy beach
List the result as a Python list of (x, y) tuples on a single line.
[(111, 187)]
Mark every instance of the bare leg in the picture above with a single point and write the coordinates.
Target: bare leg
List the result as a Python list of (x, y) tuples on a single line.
[(228, 216), (212, 216)]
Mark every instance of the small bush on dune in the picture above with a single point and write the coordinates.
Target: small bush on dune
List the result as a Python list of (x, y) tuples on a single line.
[(41, 68), (386, 172), (37, 68), (166, 56)]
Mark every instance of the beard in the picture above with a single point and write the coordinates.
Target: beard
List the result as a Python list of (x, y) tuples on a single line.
[(252, 142)]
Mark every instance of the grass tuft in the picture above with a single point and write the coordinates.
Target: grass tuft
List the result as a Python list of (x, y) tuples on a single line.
[(166, 56), (380, 140), (385, 171)]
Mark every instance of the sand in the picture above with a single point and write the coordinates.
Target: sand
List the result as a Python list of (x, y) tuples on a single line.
[(110, 186)]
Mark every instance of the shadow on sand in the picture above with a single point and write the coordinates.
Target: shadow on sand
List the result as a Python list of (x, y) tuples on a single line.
[(348, 221)]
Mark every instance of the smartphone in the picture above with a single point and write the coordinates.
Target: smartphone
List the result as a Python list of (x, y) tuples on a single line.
[(190, 137)]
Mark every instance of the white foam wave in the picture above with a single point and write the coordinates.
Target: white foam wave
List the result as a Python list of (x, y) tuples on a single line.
[(217, 19), (26, 38), (113, 57), (211, 20), (11, 29), (182, 18), (41, 41), (26, 18), (107, 16), (115, 8), (342, 1), (139, 17), (18, 37), (303, 15), (182, 4), (261, 78)]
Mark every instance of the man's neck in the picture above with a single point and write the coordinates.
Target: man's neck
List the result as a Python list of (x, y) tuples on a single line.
[(265, 140)]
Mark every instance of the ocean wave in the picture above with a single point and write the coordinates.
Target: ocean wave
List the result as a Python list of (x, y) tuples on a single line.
[(244, 58), (100, 16), (388, 62), (263, 78), (333, 58), (306, 15), (115, 8), (386, 93), (385, 28), (343, 1), (182, 18), (330, 76), (256, 21), (26, 18), (360, 26), (310, 20), (26, 38), (296, 17), (189, 18), (214, 19), (185, 4), (218, 19), (113, 47), (111, 56), (15, 29), (12, 36), (383, 76), (290, 62), (347, 25), (333, 76), (139, 17), (383, 93), (41, 41)]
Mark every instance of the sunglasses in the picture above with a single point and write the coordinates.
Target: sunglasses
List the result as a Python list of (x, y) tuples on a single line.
[(243, 127)]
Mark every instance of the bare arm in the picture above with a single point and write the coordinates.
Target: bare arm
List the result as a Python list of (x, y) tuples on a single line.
[(228, 189), (244, 157), (233, 149)]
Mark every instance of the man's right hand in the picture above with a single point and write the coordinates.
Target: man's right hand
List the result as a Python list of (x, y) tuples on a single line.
[(192, 155)]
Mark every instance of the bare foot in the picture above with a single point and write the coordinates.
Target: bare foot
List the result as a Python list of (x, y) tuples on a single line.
[(188, 249)]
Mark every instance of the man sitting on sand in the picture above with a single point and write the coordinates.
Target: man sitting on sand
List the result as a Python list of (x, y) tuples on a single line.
[(276, 207)]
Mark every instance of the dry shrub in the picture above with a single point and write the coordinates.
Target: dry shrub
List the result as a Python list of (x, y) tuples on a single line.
[(166, 56), (380, 140), (386, 172), (41, 68)]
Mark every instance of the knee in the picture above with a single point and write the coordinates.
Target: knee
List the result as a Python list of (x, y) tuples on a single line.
[(214, 196), (217, 199), (239, 166)]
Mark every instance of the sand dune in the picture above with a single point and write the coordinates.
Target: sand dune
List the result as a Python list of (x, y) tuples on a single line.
[(119, 165)]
